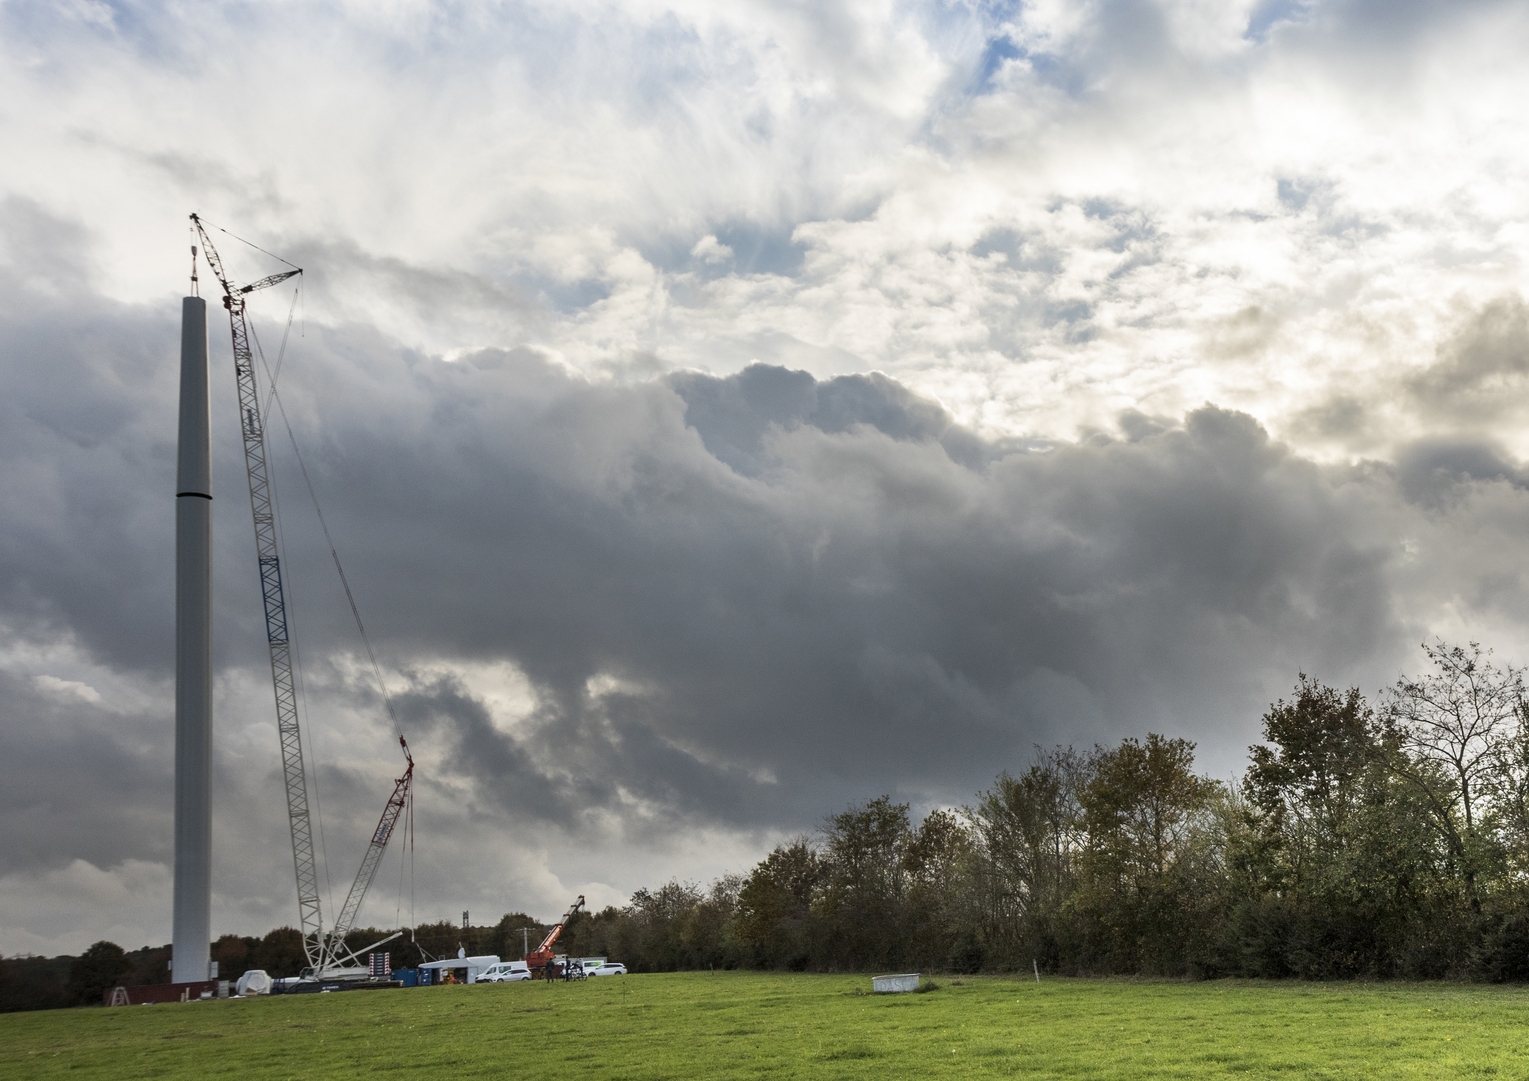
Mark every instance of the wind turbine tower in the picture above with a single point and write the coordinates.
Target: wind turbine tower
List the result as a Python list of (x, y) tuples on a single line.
[(192, 920)]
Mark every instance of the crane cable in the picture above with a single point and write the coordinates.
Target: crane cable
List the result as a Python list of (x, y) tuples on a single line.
[(281, 354), (387, 700), (328, 539), (297, 656), (252, 244), (274, 396), (406, 860)]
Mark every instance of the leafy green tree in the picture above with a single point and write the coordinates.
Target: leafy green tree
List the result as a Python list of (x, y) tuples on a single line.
[(1030, 832), (1150, 858), (35, 983), (614, 933), (426, 942), (1510, 789), (660, 917), (866, 884), (939, 861), (707, 934), (151, 964), (232, 954), (96, 971), (1336, 867), (280, 953), (1308, 784), (506, 940), (775, 918)]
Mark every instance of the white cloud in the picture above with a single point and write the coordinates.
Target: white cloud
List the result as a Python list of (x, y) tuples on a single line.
[(1073, 234), (69, 687), (710, 250)]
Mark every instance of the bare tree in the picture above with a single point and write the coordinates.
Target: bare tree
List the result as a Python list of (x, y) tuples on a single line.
[(1454, 724)]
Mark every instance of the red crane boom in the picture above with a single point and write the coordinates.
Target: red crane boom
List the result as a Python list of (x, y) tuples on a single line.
[(538, 958)]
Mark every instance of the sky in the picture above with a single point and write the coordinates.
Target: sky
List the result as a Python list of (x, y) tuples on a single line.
[(727, 413)]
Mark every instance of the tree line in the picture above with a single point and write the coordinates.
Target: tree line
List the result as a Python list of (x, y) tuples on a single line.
[(1384, 839)]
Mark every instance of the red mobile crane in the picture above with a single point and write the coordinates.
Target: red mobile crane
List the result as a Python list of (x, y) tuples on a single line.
[(538, 958)]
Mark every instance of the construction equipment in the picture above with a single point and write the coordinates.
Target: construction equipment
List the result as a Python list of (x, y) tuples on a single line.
[(537, 959), (326, 955), (335, 955)]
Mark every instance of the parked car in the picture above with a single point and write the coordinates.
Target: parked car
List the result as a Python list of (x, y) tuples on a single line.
[(609, 968), (505, 972)]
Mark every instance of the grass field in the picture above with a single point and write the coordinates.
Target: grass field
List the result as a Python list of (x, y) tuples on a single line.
[(747, 1025)]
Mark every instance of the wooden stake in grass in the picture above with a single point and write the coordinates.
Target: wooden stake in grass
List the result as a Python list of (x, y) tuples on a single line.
[(1037, 967)]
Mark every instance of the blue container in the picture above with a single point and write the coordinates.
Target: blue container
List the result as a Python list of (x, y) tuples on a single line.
[(409, 976)]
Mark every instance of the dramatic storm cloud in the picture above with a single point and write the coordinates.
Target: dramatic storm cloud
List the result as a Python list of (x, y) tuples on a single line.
[(725, 414)]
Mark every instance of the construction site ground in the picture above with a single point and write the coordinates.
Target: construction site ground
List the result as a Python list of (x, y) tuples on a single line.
[(754, 1025)]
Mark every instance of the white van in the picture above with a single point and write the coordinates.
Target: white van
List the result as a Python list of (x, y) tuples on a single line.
[(505, 972)]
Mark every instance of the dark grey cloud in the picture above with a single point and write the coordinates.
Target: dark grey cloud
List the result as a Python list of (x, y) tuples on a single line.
[(734, 415), (1340, 417), (70, 761), (735, 602), (1480, 368), (1438, 473), (803, 589)]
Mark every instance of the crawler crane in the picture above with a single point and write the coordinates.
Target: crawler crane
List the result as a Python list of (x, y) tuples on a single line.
[(327, 955)]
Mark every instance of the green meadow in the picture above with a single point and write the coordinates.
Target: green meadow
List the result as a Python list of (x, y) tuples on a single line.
[(752, 1025)]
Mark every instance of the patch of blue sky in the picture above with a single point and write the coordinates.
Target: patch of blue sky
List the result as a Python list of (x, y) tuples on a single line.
[(1021, 252), (670, 59), (1048, 69), (763, 249), (147, 29), (753, 247), (538, 40), (956, 27), (1294, 193), (562, 297), (997, 51), (1270, 13)]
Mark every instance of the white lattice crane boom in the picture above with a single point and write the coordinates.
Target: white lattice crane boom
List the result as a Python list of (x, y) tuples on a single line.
[(325, 953)]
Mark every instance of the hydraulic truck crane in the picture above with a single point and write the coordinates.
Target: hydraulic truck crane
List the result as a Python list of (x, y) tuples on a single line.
[(538, 959)]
